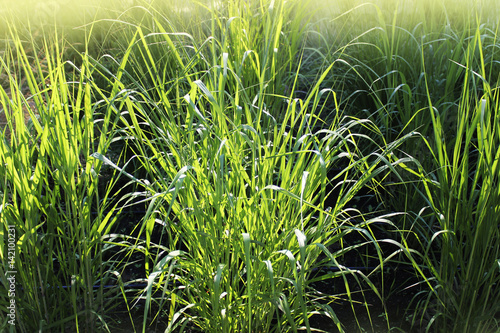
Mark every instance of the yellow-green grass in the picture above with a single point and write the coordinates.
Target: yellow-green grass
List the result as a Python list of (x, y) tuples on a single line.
[(246, 129)]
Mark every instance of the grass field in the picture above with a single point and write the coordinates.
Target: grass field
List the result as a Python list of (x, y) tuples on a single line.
[(250, 166)]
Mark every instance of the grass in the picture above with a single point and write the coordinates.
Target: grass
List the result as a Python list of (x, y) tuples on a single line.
[(266, 148)]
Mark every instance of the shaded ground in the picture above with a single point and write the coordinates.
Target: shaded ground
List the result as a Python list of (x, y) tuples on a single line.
[(376, 321)]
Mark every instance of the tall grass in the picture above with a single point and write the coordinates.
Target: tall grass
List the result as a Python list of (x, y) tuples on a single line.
[(246, 130), (50, 191), (442, 81), (241, 217), (466, 203), (237, 183)]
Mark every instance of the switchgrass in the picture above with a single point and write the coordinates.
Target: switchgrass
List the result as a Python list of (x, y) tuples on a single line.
[(466, 203), (50, 191), (247, 130), (241, 217), (237, 188), (442, 82)]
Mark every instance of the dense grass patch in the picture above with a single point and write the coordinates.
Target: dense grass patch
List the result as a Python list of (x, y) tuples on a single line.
[(212, 166)]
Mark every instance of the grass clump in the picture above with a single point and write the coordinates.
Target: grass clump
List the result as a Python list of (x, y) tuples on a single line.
[(50, 191), (258, 153)]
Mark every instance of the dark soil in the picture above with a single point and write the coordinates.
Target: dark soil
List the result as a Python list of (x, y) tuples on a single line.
[(368, 313)]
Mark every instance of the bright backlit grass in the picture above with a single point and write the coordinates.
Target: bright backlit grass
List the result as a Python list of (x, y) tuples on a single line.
[(243, 135)]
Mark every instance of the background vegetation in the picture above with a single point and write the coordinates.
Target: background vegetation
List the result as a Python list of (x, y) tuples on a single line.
[(251, 166)]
